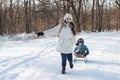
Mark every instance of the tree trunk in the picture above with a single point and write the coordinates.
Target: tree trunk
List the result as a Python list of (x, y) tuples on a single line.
[(1, 19), (93, 6), (26, 16), (76, 13)]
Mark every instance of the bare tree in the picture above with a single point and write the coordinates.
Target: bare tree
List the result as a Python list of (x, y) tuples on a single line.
[(99, 14), (118, 16), (93, 14), (117, 2), (27, 5), (11, 26), (107, 17), (1, 18), (84, 14), (76, 11)]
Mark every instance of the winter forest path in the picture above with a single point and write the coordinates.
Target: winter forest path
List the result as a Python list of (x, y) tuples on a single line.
[(38, 59)]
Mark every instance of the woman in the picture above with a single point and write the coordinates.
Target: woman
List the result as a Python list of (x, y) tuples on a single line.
[(66, 34)]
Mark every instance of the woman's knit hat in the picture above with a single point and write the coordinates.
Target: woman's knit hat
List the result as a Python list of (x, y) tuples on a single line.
[(68, 15)]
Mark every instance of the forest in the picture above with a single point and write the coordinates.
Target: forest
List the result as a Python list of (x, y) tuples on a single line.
[(18, 16)]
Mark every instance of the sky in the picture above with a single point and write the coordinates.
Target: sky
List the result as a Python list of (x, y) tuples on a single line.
[(23, 58)]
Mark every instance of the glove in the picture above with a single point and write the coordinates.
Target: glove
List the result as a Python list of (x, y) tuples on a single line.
[(40, 34)]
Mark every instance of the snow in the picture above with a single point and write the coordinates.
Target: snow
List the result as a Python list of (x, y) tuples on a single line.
[(22, 58)]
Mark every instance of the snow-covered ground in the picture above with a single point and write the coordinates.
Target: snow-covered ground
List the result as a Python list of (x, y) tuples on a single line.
[(36, 59)]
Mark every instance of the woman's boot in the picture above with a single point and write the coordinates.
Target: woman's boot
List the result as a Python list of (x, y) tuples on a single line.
[(63, 70), (71, 65)]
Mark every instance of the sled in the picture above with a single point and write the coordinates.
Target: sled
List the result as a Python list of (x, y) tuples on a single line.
[(80, 58)]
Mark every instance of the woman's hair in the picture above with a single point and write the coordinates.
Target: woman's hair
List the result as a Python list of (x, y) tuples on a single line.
[(72, 26)]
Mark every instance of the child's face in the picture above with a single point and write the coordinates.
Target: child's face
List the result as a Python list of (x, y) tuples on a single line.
[(68, 20), (80, 43)]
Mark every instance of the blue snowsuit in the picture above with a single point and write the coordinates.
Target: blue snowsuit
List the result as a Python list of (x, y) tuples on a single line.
[(81, 49)]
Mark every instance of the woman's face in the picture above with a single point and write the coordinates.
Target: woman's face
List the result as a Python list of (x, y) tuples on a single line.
[(68, 20)]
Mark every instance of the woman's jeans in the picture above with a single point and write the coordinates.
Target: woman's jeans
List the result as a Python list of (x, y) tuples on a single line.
[(65, 57)]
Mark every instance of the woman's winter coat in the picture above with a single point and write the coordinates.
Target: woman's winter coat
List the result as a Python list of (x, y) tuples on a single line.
[(66, 39)]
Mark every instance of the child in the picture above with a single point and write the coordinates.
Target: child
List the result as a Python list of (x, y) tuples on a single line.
[(66, 40), (81, 50)]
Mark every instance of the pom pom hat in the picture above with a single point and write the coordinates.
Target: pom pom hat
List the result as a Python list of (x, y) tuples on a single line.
[(68, 15)]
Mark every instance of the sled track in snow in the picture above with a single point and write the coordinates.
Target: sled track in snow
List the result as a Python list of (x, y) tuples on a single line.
[(18, 61)]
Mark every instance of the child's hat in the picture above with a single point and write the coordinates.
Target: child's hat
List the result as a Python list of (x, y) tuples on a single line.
[(68, 15), (80, 40)]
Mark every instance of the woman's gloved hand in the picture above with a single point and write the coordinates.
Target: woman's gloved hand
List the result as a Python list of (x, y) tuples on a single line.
[(40, 34)]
